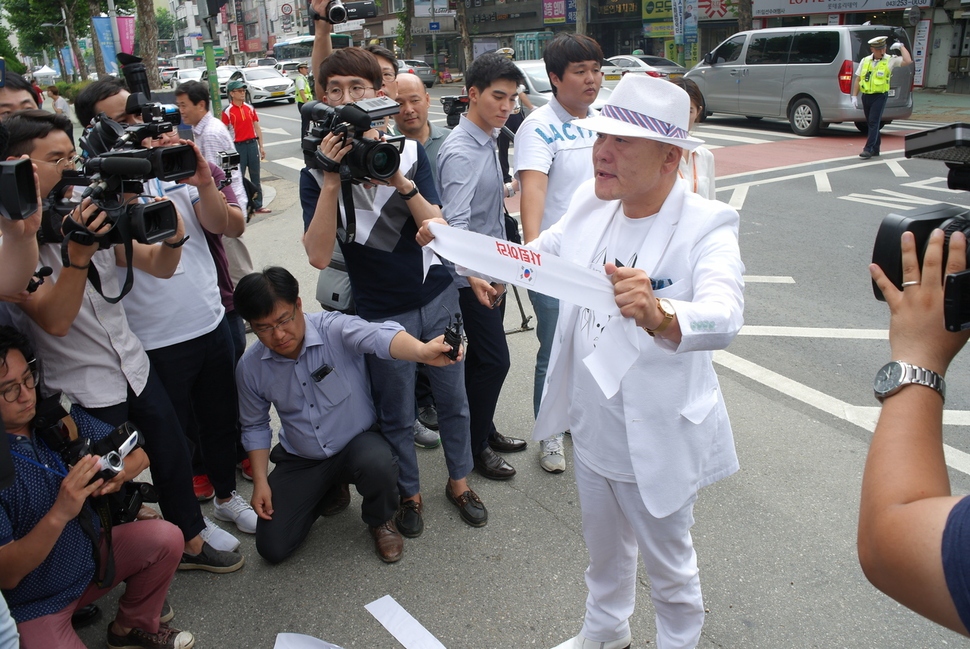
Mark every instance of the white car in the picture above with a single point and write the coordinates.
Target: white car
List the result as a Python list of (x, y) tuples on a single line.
[(185, 74), (266, 84), (539, 89), (223, 74)]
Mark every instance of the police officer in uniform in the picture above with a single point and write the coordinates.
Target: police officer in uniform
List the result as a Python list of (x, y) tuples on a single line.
[(872, 80)]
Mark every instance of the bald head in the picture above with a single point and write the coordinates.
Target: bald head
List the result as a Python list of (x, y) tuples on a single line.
[(415, 102)]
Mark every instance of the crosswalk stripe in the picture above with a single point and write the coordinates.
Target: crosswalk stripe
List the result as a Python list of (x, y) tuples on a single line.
[(292, 163)]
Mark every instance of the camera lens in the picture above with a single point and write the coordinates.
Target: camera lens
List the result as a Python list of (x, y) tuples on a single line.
[(382, 161)]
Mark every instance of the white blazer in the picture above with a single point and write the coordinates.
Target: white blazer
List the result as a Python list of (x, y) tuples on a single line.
[(677, 425)]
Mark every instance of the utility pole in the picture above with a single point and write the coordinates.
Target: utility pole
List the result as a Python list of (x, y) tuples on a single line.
[(434, 38), (208, 28), (113, 19)]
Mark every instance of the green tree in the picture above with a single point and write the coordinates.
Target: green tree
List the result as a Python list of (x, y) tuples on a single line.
[(166, 23)]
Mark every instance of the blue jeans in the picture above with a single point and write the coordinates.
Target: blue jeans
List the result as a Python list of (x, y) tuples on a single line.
[(249, 159), (547, 314), (874, 106), (393, 386)]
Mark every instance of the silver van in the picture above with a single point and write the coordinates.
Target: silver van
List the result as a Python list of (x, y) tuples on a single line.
[(802, 74)]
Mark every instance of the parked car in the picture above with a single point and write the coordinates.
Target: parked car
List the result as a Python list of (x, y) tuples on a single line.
[(290, 68), (185, 74), (166, 73), (611, 74), (655, 66), (223, 74), (802, 74), (423, 70), (539, 89), (266, 84), (258, 63)]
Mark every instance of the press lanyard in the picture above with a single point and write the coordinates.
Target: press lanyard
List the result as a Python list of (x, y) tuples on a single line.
[(60, 471)]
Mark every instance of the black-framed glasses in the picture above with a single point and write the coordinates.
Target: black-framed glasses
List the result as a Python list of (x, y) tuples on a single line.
[(12, 391), (268, 329), (336, 93)]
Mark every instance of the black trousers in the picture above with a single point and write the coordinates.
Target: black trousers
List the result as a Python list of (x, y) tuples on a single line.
[(874, 106), (167, 449), (299, 486), (486, 363), (199, 376)]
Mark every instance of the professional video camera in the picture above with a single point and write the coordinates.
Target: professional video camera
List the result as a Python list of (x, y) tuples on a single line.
[(115, 164), (454, 106), (18, 191), (367, 159), (951, 144), (339, 12)]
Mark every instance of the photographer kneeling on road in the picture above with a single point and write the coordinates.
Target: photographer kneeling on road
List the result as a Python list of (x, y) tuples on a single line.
[(913, 534), (48, 563)]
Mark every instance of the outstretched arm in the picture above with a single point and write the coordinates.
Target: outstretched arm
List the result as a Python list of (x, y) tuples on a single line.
[(905, 488)]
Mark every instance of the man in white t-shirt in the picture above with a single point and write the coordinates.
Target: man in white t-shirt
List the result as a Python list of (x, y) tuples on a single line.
[(552, 158), (641, 454)]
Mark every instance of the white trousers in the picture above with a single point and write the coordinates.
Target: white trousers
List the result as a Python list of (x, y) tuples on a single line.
[(616, 524)]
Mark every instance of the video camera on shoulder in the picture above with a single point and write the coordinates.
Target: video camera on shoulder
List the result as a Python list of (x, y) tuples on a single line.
[(367, 159), (950, 144)]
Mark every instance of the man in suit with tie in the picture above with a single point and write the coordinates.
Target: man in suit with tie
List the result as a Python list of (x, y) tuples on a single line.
[(642, 452)]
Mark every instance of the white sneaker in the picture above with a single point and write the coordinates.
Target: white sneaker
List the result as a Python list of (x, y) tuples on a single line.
[(579, 642), (236, 510), (217, 537), (551, 457)]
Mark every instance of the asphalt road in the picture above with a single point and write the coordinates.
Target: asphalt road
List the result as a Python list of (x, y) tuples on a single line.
[(776, 542)]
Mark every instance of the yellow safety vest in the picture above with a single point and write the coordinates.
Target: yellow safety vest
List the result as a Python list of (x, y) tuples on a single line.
[(303, 95), (874, 76)]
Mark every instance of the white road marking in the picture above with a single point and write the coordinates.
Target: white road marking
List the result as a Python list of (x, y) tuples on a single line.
[(870, 201), (900, 201), (296, 139), (815, 332), (929, 182), (274, 116), (402, 625), (737, 196), (733, 138), (863, 416), (822, 183), (292, 163), (276, 131), (897, 169), (735, 129), (800, 165), (769, 279)]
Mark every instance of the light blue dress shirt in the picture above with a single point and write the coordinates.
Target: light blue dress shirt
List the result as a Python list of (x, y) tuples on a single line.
[(318, 417)]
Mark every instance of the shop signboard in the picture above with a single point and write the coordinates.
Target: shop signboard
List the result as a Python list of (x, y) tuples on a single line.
[(769, 8)]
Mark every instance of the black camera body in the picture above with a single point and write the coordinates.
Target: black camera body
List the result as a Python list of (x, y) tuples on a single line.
[(950, 144), (454, 106), (367, 159), (339, 12)]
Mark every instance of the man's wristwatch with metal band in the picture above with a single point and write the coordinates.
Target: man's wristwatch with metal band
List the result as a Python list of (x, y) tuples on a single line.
[(667, 309), (894, 375)]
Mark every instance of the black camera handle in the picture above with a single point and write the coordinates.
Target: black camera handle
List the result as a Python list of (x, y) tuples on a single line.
[(347, 189)]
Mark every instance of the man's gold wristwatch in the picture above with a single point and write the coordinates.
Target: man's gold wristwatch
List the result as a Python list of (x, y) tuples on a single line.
[(667, 309)]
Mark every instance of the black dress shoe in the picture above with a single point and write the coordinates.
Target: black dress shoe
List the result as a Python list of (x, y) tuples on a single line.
[(335, 500), (503, 444), (85, 615), (469, 505), (492, 466), (409, 519)]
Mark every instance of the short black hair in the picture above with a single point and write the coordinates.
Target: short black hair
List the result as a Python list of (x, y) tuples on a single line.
[(196, 91), (568, 48), (351, 62), (383, 52), (489, 68), (15, 81), (256, 294), (11, 338), (25, 126), (88, 98)]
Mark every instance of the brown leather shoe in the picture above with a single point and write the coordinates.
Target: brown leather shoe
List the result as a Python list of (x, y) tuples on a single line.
[(146, 513), (336, 500), (388, 542), (503, 444), (491, 465)]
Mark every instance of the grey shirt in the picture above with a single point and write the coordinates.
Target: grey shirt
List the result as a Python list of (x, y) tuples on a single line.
[(470, 182), (432, 145)]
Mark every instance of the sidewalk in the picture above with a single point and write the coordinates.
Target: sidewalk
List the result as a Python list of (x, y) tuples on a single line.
[(940, 106)]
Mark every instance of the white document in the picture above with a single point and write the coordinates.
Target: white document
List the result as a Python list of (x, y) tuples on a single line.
[(300, 641), (402, 625)]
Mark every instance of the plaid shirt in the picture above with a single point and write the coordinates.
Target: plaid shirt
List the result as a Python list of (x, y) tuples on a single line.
[(212, 136)]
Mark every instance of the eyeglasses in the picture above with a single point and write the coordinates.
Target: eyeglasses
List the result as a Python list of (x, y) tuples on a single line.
[(62, 163), (12, 392), (268, 329), (356, 92)]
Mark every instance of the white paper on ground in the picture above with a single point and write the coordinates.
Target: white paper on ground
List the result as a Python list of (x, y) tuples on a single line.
[(550, 275), (300, 641), (402, 625)]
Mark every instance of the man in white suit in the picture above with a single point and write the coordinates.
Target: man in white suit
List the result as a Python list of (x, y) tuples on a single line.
[(641, 456)]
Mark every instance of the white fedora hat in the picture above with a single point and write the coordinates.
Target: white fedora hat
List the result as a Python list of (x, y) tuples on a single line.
[(646, 107)]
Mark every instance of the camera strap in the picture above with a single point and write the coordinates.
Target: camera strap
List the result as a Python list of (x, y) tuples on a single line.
[(85, 237), (104, 562), (347, 190)]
